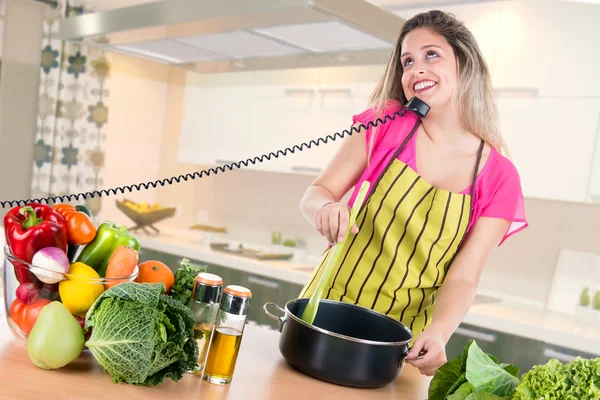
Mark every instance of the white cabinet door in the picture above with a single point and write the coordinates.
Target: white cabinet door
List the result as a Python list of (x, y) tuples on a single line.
[(197, 143), (593, 194), (240, 116), (283, 105), (551, 143), (548, 45), (216, 119)]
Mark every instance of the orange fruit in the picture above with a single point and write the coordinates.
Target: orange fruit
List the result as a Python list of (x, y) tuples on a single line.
[(153, 271), (121, 264)]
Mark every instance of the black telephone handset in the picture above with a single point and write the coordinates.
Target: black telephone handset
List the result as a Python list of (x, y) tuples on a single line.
[(418, 106)]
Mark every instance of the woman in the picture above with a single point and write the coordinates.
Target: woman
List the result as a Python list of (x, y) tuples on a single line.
[(442, 195)]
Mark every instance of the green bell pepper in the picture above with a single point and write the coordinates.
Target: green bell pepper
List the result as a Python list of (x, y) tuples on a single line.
[(108, 237), (72, 249), (83, 209)]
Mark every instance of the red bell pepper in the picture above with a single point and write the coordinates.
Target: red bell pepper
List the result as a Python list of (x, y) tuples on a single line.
[(30, 228)]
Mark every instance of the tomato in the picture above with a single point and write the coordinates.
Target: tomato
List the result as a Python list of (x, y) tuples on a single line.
[(25, 315), (16, 308), (30, 313)]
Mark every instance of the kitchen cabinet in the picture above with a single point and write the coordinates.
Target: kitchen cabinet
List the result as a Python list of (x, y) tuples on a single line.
[(563, 354), (549, 46), (593, 194), (510, 349), (231, 117), (216, 119), (551, 141)]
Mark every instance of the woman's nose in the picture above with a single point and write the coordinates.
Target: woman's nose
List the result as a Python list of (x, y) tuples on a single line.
[(418, 69)]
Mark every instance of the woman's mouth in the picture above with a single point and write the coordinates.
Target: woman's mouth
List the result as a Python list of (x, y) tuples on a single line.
[(423, 86)]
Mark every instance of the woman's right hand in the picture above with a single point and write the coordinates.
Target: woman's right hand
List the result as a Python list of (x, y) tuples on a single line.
[(332, 221)]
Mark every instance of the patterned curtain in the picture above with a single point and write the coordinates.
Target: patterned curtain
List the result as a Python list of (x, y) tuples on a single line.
[(72, 113)]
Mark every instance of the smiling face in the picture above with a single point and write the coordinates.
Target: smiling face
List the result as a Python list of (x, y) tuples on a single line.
[(429, 68)]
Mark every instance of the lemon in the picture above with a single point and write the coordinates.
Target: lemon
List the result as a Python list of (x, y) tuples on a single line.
[(78, 292)]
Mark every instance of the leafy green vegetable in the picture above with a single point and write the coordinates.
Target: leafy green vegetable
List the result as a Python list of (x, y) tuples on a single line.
[(484, 396), (511, 369), (140, 335), (476, 375), (184, 280), (578, 379), (462, 392), (449, 376), (487, 376), (458, 383)]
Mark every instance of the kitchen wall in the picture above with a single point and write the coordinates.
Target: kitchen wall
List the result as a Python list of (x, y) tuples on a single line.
[(22, 38), (135, 129)]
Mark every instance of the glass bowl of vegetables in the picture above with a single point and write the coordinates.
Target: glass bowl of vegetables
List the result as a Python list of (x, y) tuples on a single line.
[(56, 253), (29, 286)]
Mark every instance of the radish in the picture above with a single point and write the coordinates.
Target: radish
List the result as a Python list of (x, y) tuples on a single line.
[(27, 293), (47, 260)]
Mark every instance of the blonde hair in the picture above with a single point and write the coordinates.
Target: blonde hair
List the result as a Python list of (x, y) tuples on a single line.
[(474, 95)]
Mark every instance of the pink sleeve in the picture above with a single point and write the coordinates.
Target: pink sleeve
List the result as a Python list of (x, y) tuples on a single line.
[(503, 197)]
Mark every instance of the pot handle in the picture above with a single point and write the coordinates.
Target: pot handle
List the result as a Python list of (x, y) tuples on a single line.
[(403, 358), (280, 320)]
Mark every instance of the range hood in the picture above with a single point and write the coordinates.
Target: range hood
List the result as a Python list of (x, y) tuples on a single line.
[(234, 35)]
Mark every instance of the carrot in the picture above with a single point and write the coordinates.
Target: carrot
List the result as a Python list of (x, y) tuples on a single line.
[(121, 264), (153, 271)]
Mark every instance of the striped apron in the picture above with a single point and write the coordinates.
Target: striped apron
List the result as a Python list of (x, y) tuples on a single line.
[(409, 233)]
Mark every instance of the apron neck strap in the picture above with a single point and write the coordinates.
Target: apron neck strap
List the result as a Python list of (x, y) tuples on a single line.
[(479, 155)]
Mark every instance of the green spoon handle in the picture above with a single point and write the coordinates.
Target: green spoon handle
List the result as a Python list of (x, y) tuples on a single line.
[(310, 311)]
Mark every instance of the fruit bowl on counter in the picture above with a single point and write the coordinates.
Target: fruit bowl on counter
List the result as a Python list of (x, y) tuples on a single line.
[(145, 215), (28, 288)]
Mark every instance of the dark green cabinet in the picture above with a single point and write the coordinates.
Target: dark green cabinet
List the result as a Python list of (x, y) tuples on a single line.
[(511, 349)]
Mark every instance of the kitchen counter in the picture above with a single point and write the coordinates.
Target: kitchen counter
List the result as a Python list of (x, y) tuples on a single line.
[(261, 373), (513, 316)]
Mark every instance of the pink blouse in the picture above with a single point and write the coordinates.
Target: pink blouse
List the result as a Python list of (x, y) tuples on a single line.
[(497, 191)]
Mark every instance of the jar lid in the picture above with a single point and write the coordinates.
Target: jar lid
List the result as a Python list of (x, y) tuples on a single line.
[(209, 279), (239, 291)]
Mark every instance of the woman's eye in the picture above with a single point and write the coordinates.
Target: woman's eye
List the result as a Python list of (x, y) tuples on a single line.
[(407, 62), (431, 54)]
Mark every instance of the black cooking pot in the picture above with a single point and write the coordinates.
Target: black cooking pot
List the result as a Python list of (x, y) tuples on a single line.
[(347, 345)]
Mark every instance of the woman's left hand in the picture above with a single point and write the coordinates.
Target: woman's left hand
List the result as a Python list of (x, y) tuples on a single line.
[(433, 346)]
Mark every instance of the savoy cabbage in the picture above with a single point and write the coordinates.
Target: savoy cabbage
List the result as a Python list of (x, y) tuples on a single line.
[(140, 335)]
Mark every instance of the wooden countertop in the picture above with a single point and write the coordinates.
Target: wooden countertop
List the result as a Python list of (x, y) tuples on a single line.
[(261, 373)]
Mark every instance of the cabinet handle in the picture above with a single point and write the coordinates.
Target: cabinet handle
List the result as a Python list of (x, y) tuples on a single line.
[(298, 91), (563, 357), (299, 168), (224, 162), (263, 282), (533, 91), (334, 90), (484, 337)]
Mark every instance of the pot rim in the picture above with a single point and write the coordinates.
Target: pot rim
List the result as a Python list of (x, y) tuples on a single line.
[(345, 337)]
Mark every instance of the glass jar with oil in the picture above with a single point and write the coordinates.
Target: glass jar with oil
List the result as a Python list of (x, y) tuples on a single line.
[(205, 301), (227, 336)]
